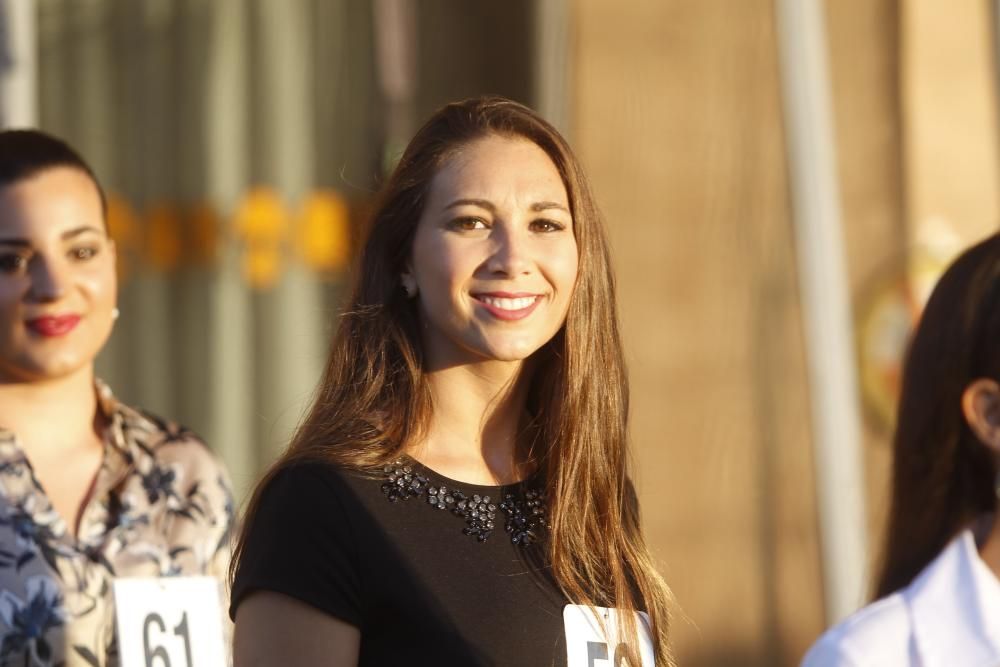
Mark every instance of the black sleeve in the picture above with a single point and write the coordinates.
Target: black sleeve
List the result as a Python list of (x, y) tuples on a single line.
[(300, 543)]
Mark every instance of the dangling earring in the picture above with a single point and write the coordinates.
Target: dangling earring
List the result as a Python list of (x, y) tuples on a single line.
[(115, 313)]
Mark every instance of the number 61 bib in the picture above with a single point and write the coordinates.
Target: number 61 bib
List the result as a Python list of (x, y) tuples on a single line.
[(588, 646), (169, 622)]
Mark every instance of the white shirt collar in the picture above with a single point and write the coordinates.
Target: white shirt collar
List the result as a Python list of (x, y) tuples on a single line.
[(955, 604)]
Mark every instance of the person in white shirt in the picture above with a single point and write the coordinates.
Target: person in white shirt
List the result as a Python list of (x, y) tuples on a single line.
[(937, 594)]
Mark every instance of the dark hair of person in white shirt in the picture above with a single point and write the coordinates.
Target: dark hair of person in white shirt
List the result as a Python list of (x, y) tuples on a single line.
[(947, 440)]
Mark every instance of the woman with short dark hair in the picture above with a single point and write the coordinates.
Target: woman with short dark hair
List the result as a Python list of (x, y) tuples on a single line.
[(90, 489), (458, 494)]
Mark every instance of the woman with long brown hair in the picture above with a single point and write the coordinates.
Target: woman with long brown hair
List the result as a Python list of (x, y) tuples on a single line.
[(458, 493), (937, 592)]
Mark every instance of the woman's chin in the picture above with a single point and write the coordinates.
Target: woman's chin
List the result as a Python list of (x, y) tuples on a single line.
[(42, 370), (512, 351)]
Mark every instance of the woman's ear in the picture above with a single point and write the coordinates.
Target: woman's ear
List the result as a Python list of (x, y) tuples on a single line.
[(409, 284), (981, 407)]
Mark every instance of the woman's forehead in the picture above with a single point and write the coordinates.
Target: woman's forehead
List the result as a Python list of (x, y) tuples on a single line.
[(497, 166), (50, 201)]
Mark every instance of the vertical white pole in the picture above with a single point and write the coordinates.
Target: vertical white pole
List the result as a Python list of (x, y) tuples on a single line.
[(149, 302), (293, 329), (18, 64), (396, 59), (825, 303), (233, 430)]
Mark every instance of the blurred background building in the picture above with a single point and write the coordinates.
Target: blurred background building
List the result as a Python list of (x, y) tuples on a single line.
[(783, 181)]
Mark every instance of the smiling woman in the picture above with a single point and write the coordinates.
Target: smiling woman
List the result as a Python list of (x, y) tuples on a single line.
[(459, 494), (495, 271), (90, 489), (53, 244)]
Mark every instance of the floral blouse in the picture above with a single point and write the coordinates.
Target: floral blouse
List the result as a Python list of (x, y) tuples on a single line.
[(161, 506)]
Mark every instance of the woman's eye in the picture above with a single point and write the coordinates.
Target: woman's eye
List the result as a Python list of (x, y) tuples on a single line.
[(83, 253), (547, 226), (469, 224), (12, 262)]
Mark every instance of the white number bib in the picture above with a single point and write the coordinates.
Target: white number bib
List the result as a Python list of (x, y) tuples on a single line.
[(587, 646), (169, 622)]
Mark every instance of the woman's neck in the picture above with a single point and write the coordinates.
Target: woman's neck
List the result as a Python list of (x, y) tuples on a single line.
[(52, 414), (474, 431), (989, 549)]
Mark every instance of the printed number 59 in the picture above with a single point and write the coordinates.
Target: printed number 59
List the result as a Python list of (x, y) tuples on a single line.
[(152, 654), (599, 651)]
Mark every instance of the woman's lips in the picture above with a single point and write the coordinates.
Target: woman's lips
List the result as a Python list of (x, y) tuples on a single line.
[(506, 306), (53, 325)]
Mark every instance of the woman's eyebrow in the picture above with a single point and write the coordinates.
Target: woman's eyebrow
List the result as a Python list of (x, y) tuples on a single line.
[(547, 205), (488, 205), (76, 231), (68, 234), (482, 203)]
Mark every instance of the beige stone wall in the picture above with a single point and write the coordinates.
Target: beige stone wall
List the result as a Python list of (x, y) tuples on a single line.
[(677, 116), (948, 86)]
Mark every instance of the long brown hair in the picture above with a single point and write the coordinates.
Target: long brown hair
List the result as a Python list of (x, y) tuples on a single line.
[(942, 475), (373, 400)]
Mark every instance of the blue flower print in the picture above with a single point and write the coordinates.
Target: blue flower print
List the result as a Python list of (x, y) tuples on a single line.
[(28, 621), (34, 532), (27, 532), (159, 482), (33, 522)]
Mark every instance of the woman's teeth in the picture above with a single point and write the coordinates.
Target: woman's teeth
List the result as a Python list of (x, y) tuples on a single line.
[(519, 303)]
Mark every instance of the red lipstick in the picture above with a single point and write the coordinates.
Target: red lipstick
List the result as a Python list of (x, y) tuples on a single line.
[(53, 325)]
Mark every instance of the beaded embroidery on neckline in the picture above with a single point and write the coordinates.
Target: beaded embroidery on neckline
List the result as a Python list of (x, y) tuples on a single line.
[(524, 509)]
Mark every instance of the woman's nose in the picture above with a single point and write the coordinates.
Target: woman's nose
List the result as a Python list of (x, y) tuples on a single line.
[(510, 255), (48, 279)]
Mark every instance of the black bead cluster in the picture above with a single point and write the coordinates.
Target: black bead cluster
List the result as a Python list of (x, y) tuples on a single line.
[(402, 483), (478, 513), (525, 513), (525, 516)]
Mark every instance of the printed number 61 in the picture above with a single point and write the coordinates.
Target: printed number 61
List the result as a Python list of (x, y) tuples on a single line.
[(159, 652), (599, 651)]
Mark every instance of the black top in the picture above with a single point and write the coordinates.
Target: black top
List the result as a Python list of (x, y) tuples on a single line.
[(421, 583)]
